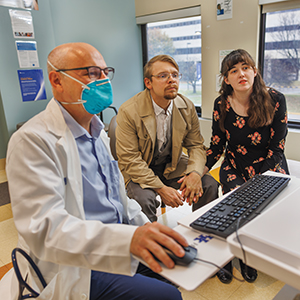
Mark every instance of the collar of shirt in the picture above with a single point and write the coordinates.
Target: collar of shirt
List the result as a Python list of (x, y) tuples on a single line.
[(158, 110), (77, 130)]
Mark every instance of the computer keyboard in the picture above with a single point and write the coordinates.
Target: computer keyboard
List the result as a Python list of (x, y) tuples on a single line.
[(246, 202)]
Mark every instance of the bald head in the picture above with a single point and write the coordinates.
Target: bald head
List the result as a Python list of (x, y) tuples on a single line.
[(72, 55)]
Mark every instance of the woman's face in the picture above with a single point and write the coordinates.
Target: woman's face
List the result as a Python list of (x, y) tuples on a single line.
[(241, 77)]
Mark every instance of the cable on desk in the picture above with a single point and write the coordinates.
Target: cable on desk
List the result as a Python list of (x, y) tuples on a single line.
[(224, 270), (238, 238)]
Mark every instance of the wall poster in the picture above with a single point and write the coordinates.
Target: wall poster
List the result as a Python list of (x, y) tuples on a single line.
[(21, 22), (25, 4), (32, 85), (224, 9)]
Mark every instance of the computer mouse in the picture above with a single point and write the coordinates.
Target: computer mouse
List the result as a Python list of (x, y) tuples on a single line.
[(190, 254)]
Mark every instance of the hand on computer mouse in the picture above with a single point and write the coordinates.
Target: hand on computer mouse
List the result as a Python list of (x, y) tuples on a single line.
[(148, 242), (189, 256)]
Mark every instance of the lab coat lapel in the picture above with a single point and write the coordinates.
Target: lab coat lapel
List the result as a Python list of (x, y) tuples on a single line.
[(67, 147)]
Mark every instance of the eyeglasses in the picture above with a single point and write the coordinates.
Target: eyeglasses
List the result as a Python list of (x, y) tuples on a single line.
[(94, 72), (165, 76)]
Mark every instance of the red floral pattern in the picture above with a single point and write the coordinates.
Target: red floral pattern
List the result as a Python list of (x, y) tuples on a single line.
[(216, 115), (251, 171), (215, 140), (242, 150), (231, 177), (255, 138), (240, 122), (249, 151)]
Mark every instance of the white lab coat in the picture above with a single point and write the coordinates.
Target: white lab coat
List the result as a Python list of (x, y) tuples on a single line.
[(45, 185)]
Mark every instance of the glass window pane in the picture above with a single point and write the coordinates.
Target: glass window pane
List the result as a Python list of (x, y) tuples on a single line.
[(281, 57), (181, 39)]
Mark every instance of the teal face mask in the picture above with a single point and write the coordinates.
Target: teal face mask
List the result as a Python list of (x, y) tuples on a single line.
[(95, 96)]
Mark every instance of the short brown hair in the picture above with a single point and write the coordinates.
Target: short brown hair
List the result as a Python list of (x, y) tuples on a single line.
[(161, 57)]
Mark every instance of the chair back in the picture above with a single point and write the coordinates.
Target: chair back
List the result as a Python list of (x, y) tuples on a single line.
[(112, 135)]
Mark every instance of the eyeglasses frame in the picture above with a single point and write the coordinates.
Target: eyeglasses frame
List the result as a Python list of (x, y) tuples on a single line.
[(170, 74), (86, 68)]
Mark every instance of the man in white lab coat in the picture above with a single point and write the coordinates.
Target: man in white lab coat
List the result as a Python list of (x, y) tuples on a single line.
[(68, 197)]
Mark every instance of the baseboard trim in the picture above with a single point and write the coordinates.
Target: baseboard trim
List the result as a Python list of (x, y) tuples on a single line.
[(2, 163)]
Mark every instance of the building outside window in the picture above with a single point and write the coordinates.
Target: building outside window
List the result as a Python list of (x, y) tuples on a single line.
[(281, 64), (181, 39)]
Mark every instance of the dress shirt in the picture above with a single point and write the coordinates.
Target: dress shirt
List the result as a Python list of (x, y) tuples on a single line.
[(100, 174), (163, 124)]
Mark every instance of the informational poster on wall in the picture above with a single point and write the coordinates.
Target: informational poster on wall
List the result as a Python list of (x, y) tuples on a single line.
[(222, 54), (32, 85), (21, 22), (27, 54), (224, 9), (25, 4)]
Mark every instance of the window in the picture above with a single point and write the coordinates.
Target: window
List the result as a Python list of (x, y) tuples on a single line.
[(281, 57), (181, 39)]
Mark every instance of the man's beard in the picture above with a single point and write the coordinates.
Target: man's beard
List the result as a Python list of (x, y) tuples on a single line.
[(170, 95)]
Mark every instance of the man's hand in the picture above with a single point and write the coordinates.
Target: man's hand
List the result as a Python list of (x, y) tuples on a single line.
[(191, 187), (148, 240), (170, 196)]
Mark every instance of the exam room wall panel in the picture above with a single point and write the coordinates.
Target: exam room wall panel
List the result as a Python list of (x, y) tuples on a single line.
[(12, 109), (110, 27)]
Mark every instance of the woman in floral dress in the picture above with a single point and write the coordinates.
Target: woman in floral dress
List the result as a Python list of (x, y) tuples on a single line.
[(250, 124)]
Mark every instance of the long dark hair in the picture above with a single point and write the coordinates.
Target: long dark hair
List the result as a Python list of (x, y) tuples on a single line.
[(261, 107)]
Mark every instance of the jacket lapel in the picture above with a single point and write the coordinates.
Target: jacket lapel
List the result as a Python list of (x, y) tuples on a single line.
[(178, 130), (146, 113)]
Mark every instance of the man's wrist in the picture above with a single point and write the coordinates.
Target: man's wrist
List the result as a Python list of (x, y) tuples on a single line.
[(196, 173)]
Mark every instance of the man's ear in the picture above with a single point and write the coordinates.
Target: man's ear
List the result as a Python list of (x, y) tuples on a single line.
[(56, 81), (148, 83)]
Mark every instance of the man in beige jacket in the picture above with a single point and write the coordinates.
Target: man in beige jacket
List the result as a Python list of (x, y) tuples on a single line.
[(153, 127)]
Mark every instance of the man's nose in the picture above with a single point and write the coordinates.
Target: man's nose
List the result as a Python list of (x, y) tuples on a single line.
[(170, 78), (103, 75)]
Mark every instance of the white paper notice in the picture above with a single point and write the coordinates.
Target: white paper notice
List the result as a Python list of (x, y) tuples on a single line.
[(27, 4), (224, 9), (21, 21), (222, 54), (27, 54)]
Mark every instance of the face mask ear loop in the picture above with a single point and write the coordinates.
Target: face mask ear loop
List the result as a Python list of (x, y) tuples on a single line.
[(84, 86)]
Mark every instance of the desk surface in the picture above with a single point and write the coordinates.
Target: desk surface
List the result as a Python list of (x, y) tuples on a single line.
[(221, 251), (272, 240)]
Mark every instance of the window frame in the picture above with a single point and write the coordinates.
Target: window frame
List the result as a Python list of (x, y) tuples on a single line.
[(144, 39), (262, 34)]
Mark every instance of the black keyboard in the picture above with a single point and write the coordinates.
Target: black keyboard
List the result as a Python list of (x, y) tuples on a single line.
[(246, 202)]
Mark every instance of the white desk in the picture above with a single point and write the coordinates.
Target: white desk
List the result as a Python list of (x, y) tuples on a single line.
[(272, 240), (220, 252)]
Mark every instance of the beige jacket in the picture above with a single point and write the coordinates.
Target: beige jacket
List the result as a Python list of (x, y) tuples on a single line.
[(136, 137)]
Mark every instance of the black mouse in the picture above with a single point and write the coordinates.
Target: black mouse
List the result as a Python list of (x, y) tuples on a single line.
[(190, 254)]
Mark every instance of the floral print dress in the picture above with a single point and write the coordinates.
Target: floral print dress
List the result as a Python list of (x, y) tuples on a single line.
[(248, 151)]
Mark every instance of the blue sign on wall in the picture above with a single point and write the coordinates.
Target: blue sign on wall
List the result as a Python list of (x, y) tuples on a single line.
[(32, 85)]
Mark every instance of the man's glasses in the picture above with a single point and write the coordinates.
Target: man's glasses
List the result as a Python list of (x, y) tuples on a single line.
[(94, 72), (165, 76)]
